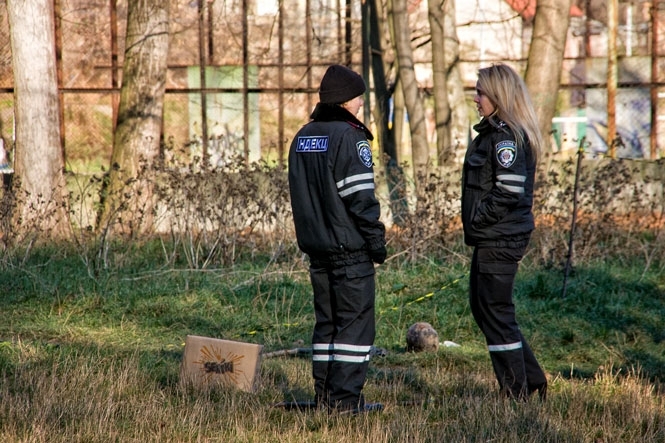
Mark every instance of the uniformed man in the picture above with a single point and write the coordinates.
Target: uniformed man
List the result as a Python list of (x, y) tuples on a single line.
[(336, 216)]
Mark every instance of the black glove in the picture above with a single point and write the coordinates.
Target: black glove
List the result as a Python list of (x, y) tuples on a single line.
[(378, 255)]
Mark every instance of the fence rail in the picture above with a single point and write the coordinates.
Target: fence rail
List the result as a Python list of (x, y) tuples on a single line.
[(263, 64)]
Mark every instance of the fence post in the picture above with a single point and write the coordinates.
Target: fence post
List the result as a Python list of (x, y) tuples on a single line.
[(203, 85), (655, 16), (612, 73)]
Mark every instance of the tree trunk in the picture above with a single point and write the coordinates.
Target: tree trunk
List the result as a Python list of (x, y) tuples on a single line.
[(459, 121), (39, 182), (407, 77), (441, 63), (460, 114), (399, 119), (127, 199), (543, 73), (386, 133)]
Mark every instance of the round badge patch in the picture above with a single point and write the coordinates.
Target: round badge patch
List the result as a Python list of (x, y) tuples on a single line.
[(365, 153), (506, 152)]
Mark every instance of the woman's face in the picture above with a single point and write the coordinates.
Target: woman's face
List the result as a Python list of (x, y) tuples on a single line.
[(483, 103), (353, 105)]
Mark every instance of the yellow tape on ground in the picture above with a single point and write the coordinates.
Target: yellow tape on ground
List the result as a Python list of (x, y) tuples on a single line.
[(392, 308), (424, 297)]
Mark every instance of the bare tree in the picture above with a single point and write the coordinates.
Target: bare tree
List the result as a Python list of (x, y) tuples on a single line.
[(451, 121), (440, 65), (459, 118), (39, 163), (543, 73), (402, 41), (385, 131), (137, 135)]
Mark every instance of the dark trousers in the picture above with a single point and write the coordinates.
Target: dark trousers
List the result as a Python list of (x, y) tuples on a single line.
[(343, 334), (491, 285)]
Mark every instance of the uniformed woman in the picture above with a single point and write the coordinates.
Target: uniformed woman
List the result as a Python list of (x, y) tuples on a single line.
[(497, 198)]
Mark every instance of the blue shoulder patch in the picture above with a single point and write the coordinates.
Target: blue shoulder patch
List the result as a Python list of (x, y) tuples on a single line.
[(506, 153), (315, 143), (365, 153)]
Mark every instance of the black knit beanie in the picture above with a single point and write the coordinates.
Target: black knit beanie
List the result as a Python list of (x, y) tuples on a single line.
[(340, 84)]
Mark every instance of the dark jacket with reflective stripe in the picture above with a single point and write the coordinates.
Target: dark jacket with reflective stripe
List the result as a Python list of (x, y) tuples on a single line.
[(331, 182), (497, 188)]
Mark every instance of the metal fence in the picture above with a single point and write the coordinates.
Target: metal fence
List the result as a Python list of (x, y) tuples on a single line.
[(263, 61)]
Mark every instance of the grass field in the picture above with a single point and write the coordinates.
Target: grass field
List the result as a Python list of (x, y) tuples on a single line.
[(95, 356)]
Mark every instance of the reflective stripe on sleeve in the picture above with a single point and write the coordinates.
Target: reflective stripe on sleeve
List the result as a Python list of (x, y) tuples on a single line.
[(355, 189), (354, 178), (511, 182), (355, 183)]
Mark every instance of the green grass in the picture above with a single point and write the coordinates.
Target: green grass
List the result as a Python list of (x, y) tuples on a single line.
[(93, 355)]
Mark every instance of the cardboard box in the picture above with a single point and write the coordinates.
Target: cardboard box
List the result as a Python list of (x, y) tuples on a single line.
[(210, 362)]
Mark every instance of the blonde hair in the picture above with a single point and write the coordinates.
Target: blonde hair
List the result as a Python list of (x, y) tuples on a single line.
[(508, 93)]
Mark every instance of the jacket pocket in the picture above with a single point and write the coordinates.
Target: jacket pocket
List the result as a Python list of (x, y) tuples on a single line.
[(475, 171), (498, 268)]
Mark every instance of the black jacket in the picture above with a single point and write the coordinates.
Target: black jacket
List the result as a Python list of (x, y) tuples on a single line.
[(331, 181), (497, 188)]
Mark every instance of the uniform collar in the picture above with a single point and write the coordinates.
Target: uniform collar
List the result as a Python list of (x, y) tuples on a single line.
[(324, 112), (490, 124)]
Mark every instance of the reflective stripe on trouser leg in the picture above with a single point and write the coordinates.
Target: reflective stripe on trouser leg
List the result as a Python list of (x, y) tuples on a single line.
[(324, 331), (508, 364), (343, 333), (491, 283)]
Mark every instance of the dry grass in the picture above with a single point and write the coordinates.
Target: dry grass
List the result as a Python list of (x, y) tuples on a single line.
[(98, 398)]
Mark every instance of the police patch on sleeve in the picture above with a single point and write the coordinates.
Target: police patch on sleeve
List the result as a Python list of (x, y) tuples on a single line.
[(506, 152), (365, 153)]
